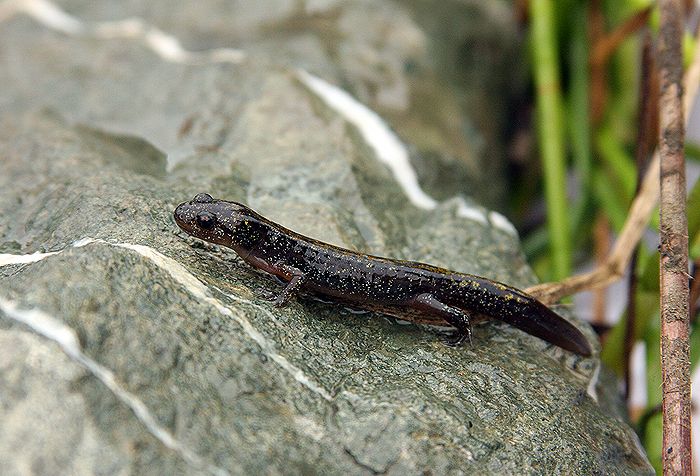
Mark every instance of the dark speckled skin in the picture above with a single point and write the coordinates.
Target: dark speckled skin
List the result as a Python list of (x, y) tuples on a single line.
[(405, 289)]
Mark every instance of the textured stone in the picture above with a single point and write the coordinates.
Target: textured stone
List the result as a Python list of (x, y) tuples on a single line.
[(101, 139)]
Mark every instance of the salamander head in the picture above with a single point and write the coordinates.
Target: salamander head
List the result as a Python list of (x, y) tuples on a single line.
[(216, 221)]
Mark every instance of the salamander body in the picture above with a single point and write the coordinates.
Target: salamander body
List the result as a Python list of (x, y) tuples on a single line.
[(405, 289)]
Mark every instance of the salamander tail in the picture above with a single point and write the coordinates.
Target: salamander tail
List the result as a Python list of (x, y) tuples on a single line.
[(538, 320)]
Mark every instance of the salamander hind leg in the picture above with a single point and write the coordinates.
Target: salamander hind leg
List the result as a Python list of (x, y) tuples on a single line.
[(292, 286), (427, 303)]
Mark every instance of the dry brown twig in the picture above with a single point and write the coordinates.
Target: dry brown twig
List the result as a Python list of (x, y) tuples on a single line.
[(614, 268), (673, 231), (637, 220)]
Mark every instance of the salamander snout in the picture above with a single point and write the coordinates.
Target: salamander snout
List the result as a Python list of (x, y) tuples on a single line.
[(184, 216)]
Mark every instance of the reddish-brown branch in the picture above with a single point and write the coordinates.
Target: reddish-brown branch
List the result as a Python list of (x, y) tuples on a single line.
[(607, 45), (675, 329), (630, 326), (604, 45), (520, 11), (648, 120)]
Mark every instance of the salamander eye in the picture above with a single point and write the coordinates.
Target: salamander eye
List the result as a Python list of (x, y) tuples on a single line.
[(203, 198), (206, 220)]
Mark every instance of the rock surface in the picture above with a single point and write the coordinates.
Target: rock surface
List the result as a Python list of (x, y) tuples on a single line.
[(128, 347)]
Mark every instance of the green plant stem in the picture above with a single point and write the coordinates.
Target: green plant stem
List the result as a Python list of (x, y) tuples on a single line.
[(579, 120), (551, 131)]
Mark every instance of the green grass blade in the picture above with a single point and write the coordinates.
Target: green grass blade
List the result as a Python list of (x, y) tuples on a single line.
[(550, 130)]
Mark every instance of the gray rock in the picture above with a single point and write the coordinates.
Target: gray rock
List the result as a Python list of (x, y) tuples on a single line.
[(131, 348)]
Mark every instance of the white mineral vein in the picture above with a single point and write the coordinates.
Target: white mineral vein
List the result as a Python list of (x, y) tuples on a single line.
[(54, 329), (389, 149), (167, 46), (198, 290)]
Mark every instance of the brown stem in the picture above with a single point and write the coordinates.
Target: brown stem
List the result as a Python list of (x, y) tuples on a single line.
[(630, 325), (520, 11), (606, 46), (648, 120), (675, 329)]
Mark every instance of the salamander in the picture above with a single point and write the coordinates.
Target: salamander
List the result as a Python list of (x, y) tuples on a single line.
[(407, 290)]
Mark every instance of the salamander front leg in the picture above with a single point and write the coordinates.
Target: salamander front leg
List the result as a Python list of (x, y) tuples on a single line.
[(292, 286), (454, 316)]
